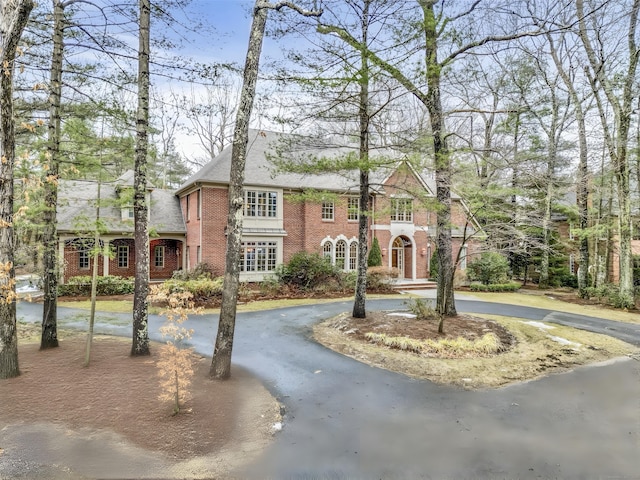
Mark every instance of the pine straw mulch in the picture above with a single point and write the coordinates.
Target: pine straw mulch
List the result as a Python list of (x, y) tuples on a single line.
[(396, 324), (119, 393)]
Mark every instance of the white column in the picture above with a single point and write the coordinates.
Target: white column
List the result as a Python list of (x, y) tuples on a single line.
[(61, 260), (105, 257)]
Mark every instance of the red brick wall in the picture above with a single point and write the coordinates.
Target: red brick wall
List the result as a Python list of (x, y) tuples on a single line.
[(207, 232), (317, 229), (172, 258), (304, 225), (130, 271), (72, 262), (294, 224)]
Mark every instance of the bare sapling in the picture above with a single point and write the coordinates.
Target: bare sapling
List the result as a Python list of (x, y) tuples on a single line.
[(175, 363)]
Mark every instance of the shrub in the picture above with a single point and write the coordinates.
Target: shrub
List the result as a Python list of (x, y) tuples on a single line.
[(308, 271), (201, 289), (490, 268), (269, 286), (107, 285), (375, 255), (495, 287), (379, 278), (201, 270), (567, 279), (423, 310)]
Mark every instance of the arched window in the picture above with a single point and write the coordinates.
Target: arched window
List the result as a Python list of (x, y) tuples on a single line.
[(341, 252), (353, 255), (327, 250), (463, 258)]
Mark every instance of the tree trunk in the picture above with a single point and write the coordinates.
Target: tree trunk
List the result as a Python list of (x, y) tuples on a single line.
[(13, 18), (445, 303), (221, 363), (609, 82), (140, 344), (49, 337), (359, 304)]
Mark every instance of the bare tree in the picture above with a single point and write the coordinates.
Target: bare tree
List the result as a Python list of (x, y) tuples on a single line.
[(14, 15), (616, 88), (221, 363), (211, 113)]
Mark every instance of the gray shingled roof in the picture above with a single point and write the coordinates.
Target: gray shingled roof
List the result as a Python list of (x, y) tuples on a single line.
[(77, 208), (258, 171)]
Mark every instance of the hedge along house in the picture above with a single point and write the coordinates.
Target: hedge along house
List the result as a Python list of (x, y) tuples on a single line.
[(278, 221), (77, 213)]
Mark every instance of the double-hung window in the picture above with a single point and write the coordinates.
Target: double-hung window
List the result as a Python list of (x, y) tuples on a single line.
[(83, 259), (353, 208), (259, 203), (327, 211), (123, 256), (158, 256), (401, 210)]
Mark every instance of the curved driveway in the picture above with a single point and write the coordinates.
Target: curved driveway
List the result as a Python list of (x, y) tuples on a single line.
[(345, 419)]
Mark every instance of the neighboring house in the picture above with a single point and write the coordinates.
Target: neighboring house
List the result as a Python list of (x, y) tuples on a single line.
[(77, 201), (603, 251), (278, 223)]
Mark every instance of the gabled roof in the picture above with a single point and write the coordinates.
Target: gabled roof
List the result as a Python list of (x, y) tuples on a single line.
[(76, 210), (259, 170)]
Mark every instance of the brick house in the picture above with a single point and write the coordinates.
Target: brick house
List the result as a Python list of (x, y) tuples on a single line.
[(604, 261), (76, 214), (278, 222)]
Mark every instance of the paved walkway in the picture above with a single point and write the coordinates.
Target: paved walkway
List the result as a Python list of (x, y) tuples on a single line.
[(345, 419)]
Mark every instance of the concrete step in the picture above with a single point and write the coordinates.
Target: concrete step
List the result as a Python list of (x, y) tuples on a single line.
[(414, 285)]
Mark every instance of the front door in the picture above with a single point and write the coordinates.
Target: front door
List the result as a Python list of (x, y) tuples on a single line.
[(397, 256)]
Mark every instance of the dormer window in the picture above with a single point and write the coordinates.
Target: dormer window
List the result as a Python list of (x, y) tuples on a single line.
[(127, 212)]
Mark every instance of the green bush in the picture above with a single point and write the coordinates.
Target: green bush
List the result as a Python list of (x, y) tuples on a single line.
[(567, 279), (107, 285), (202, 288), (495, 287), (375, 255), (423, 309), (490, 268), (308, 271), (609, 294)]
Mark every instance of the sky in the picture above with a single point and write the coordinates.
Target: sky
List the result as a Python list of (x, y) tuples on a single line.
[(224, 38), (231, 23)]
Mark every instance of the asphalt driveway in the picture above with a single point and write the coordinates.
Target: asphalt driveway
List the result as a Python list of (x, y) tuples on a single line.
[(345, 419)]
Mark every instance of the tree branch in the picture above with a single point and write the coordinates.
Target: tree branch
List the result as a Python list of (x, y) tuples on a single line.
[(280, 5)]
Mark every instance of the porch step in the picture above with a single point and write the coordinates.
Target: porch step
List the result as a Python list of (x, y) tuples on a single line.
[(414, 285)]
